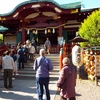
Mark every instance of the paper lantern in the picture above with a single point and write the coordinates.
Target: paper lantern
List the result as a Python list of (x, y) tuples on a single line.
[(53, 30), (45, 31), (77, 55)]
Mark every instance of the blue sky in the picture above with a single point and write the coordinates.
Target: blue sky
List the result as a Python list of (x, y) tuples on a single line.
[(7, 5)]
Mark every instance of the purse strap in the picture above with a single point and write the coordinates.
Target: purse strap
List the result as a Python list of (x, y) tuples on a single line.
[(41, 61)]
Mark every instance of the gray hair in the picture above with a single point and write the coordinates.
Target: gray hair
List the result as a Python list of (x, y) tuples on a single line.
[(42, 52), (66, 60)]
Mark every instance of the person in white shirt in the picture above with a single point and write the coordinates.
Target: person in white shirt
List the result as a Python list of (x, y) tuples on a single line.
[(31, 52), (8, 66)]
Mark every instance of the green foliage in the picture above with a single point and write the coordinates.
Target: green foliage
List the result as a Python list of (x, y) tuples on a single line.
[(90, 29), (1, 37)]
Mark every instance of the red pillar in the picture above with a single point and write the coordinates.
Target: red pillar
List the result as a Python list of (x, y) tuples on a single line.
[(23, 35), (60, 30)]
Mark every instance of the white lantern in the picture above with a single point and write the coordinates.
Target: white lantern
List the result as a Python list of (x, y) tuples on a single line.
[(36, 32), (28, 31), (45, 31), (53, 30), (77, 55)]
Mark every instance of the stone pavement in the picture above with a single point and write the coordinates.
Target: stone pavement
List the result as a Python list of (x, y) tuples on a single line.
[(26, 90)]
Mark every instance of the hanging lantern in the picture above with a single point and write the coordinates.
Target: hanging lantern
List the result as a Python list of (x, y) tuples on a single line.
[(36, 32), (28, 31), (45, 31), (53, 30), (49, 30), (33, 31)]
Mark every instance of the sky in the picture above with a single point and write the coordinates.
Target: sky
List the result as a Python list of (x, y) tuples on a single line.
[(7, 6)]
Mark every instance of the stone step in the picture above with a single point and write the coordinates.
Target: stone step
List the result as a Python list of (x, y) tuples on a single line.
[(54, 72), (29, 76), (28, 71), (31, 69)]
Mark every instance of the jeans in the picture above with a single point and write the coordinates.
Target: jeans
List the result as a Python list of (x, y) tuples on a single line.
[(42, 82), (21, 61)]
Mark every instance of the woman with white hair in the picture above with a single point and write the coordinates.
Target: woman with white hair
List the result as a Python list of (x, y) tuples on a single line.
[(67, 81), (42, 65)]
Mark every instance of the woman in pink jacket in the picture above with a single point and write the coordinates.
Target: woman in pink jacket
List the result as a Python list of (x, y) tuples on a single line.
[(67, 81)]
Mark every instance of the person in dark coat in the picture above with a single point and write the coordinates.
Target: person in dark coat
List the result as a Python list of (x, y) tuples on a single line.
[(20, 57), (67, 81)]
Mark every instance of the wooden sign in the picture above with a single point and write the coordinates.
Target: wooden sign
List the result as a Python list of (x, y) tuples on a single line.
[(97, 65)]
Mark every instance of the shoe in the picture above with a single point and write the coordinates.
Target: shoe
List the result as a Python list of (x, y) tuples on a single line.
[(17, 74), (13, 78)]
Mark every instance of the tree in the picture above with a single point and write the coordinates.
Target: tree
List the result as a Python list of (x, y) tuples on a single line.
[(90, 29)]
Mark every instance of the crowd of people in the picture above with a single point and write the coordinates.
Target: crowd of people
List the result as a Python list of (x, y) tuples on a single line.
[(13, 60)]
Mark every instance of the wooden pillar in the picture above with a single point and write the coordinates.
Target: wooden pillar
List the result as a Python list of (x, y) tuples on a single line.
[(23, 33), (60, 29)]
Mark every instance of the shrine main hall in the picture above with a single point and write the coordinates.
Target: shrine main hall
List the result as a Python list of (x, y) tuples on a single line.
[(42, 19)]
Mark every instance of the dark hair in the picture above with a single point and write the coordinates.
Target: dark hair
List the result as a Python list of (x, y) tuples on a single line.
[(5, 53), (8, 52)]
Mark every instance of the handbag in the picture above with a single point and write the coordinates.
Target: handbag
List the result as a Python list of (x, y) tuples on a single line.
[(41, 61)]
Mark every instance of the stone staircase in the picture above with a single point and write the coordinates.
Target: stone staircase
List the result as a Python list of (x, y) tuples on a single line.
[(28, 71)]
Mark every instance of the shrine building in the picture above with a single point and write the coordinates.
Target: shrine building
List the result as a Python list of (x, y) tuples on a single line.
[(42, 19)]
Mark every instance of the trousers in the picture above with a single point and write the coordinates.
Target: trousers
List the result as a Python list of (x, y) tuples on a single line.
[(8, 75), (42, 83)]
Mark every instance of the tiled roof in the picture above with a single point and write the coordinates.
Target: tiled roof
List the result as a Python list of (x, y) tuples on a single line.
[(63, 6), (71, 5)]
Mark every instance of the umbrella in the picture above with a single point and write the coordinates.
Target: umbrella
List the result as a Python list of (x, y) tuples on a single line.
[(78, 39), (2, 28)]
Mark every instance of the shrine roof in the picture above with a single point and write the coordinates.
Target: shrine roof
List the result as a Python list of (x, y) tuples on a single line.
[(62, 6)]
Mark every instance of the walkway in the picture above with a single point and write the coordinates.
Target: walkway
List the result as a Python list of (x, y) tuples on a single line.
[(26, 90)]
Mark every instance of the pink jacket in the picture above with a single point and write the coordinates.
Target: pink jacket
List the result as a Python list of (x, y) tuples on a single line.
[(69, 73)]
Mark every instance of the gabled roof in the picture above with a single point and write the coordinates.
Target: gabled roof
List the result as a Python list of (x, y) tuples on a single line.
[(63, 6)]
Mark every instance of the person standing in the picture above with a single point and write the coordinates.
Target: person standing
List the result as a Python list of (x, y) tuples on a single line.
[(20, 58), (14, 56), (8, 66), (47, 45), (67, 81), (34, 43), (42, 65), (31, 52)]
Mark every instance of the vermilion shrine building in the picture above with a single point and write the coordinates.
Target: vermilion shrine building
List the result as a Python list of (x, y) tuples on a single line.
[(42, 19)]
